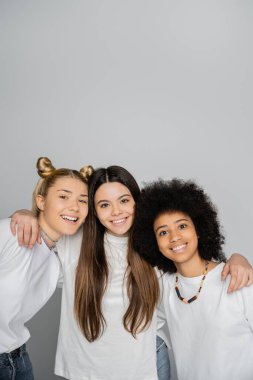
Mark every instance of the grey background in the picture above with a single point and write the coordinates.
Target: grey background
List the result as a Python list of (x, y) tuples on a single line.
[(163, 88)]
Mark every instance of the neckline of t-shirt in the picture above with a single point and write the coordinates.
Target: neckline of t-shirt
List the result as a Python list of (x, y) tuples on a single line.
[(209, 275), (116, 240)]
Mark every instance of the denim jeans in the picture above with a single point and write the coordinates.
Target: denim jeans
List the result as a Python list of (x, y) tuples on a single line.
[(16, 365), (162, 360)]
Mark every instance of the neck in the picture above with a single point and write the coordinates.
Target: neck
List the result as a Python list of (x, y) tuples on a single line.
[(194, 269), (49, 236), (191, 268), (117, 236)]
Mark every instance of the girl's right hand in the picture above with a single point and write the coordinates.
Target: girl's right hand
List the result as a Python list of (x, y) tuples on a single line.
[(25, 225)]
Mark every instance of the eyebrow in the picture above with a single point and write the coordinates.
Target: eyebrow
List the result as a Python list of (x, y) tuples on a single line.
[(122, 196), (177, 221), (70, 192), (165, 225)]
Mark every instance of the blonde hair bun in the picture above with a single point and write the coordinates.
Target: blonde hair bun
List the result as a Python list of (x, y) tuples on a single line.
[(44, 167), (86, 171)]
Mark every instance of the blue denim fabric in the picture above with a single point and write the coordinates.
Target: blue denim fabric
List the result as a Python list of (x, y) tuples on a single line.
[(162, 360), (16, 365)]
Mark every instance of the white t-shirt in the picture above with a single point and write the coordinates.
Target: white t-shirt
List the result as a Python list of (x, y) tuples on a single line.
[(116, 355), (212, 337), (28, 278)]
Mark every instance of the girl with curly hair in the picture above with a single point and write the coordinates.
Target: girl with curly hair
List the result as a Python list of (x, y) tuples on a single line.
[(211, 332), (28, 278)]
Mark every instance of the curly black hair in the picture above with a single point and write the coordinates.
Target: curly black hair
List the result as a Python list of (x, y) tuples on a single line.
[(176, 195)]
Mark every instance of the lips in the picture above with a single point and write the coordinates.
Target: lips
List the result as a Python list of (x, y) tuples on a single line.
[(72, 219), (179, 248), (118, 221)]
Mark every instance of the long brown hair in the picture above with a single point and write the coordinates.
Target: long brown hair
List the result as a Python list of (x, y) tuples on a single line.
[(92, 270)]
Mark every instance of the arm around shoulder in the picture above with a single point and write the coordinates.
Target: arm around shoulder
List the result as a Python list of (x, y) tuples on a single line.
[(25, 225), (240, 270)]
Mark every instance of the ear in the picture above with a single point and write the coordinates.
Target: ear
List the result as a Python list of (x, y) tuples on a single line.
[(40, 201)]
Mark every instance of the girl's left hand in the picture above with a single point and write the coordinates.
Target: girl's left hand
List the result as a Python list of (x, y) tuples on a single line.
[(240, 270)]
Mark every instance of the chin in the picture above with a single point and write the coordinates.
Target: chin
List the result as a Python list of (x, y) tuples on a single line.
[(71, 231)]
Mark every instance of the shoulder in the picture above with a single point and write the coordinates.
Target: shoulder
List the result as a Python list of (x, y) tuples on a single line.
[(213, 277), (5, 225), (6, 236), (167, 278), (166, 282), (9, 246), (240, 298)]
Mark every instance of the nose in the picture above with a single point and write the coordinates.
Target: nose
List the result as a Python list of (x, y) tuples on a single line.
[(74, 205), (175, 236), (116, 209)]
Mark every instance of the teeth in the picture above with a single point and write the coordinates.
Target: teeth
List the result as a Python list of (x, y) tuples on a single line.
[(178, 248), (118, 221), (70, 218)]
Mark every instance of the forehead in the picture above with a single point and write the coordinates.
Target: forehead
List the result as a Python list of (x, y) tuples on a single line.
[(111, 190), (70, 184), (168, 217)]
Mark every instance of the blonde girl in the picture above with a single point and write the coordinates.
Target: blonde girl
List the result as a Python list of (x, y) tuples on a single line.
[(28, 278)]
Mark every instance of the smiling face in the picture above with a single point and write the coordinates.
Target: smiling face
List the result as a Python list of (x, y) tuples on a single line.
[(177, 238), (114, 205), (64, 208)]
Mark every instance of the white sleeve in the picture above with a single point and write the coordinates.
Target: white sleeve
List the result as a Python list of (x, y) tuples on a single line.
[(8, 242), (162, 325), (5, 234), (60, 278), (247, 296)]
